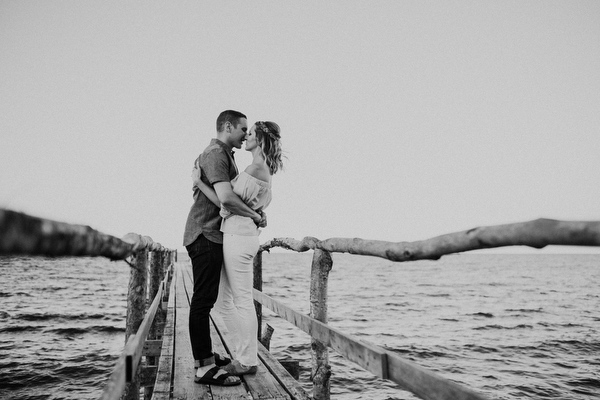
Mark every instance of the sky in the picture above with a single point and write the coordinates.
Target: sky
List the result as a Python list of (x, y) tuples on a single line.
[(401, 120)]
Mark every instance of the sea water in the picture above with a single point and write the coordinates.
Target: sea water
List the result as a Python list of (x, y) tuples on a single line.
[(507, 326)]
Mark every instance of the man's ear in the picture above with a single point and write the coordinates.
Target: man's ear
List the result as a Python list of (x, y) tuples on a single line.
[(228, 127)]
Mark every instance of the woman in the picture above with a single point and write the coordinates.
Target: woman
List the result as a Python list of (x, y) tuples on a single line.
[(240, 244)]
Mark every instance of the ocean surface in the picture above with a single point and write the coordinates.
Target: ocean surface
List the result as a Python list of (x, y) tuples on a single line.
[(508, 326)]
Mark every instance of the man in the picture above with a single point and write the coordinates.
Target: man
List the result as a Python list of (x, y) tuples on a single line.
[(204, 242)]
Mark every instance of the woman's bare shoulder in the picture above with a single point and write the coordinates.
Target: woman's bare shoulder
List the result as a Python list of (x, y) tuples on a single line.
[(259, 172)]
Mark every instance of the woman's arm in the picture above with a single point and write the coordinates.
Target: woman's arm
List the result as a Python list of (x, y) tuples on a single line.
[(204, 188), (230, 199)]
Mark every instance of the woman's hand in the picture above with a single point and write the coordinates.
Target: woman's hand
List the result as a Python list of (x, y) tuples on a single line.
[(262, 221), (196, 176)]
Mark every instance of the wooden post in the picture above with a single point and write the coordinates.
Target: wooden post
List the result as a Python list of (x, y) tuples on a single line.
[(321, 371), (136, 308), (156, 275), (258, 281), (266, 338)]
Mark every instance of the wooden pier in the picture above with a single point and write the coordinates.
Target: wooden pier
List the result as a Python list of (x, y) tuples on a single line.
[(157, 361), (175, 377)]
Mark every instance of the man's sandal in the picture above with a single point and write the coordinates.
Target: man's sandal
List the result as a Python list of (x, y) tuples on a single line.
[(218, 377), (220, 361)]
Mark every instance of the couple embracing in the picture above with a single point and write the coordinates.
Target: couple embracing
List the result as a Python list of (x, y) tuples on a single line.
[(221, 237)]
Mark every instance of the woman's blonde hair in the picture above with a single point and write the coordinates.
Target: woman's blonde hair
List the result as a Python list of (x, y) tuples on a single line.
[(268, 137)]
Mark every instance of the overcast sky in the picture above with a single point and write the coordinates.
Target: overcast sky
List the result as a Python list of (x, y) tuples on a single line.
[(401, 120)]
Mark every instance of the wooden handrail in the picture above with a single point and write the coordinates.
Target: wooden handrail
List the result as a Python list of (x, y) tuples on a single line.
[(128, 362), (380, 362), (537, 234), (24, 234)]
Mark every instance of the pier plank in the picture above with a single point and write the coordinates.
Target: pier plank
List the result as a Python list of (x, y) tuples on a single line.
[(184, 386), (217, 392), (261, 386), (175, 375), (162, 386), (284, 378)]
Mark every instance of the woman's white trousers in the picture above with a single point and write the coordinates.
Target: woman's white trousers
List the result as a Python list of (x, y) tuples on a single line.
[(235, 304)]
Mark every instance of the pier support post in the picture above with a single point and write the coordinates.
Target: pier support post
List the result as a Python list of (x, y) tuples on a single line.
[(157, 271), (258, 281), (321, 371), (136, 309), (266, 338)]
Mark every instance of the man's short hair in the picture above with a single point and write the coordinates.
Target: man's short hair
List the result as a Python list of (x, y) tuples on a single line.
[(230, 116)]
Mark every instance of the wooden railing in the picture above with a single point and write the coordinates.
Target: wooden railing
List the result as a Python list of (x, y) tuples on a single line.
[(144, 326), (151, 266), (23, 234), (384, 364)]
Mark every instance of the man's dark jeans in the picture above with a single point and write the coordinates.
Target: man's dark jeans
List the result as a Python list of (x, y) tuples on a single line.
[(207, 259)]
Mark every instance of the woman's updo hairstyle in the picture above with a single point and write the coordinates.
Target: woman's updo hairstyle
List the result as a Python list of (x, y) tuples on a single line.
[(268, 138)]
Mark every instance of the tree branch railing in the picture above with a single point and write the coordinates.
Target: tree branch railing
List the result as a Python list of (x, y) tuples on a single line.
[(538, 234), (22, 234), (27, 235), (425, 384)]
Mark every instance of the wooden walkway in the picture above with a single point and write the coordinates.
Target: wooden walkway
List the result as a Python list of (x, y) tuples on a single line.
[(175, 376)]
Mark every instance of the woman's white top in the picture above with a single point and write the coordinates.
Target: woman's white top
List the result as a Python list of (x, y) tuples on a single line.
[(256, 194)]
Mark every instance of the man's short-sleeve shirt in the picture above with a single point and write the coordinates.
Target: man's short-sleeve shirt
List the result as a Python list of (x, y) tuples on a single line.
[(217, 165)]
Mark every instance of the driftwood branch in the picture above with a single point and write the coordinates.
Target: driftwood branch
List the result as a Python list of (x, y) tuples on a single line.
[(24, 234), (308, 243), (537, 233)]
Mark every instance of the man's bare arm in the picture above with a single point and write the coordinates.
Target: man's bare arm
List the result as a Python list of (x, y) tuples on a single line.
[(204, 188), (233, 203)]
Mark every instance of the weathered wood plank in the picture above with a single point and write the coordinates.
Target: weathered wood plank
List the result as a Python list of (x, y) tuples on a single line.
[(262, 385), (225, 393), (218, 392), (291, 386), (184, 386), (365, 355), (381, 363), (152, 348), (162, 386), (425, 384)]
